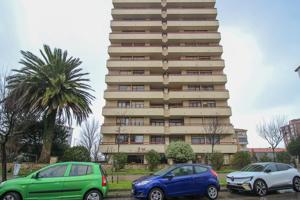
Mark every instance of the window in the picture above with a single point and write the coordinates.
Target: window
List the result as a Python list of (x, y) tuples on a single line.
[(198, 139), (135, 159), (209, 104), (157, 139), (124, 88), (138, 72), (137, 104), (125, 72), (139, 58), (283, 167), (200, 169), (271, 167), (123, 104), (207, 87), (156, 105), (211, 139), (137, 121), (138, 88), (192, 72), (176, 122), (122, 121), (157, 122), (195, 104), (177, 138), (183, 171), (194, 87), (176, 105), (122, 139), (136, 139), (205, 72), (51, 172), (80, 170)]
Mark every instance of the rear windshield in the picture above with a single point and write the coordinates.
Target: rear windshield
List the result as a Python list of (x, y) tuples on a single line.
[(253, 168), (103, 172)]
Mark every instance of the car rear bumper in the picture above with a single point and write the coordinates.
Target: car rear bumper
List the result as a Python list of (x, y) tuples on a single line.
[(240, 187)]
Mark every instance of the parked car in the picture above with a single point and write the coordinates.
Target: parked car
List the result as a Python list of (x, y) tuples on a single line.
[(70, 180), (178, 180), (263, 177)]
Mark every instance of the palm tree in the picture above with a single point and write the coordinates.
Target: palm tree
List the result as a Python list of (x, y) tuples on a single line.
[(52, 87)]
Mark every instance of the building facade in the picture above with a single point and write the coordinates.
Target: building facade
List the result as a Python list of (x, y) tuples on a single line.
[(291, 131), (258, 154), (165, 79), (241, 139)]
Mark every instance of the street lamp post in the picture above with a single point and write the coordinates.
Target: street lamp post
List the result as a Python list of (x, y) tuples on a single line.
[(298, 71)]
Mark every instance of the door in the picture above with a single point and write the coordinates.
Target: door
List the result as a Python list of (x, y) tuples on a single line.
[(182, 182), (79, 177), (201, 179), (48, 183), (273, 176), (286, 175)]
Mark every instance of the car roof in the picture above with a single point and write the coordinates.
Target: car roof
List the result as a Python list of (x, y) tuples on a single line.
[(189, 164), (82, 163)]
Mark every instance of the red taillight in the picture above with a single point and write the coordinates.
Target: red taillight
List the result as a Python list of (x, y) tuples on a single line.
[(214, 173), (104, 181)]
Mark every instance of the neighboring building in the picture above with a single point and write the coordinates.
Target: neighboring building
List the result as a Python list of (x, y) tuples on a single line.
[(165, 79), (258, 153), (291, 131), (241, 139), (298, 70)]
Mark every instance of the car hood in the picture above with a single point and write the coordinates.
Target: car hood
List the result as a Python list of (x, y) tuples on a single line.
[(240, 174), (21, 180), (143, 178)]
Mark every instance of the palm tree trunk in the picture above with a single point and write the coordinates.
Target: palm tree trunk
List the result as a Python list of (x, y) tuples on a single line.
[(4, 161), (48, 134)]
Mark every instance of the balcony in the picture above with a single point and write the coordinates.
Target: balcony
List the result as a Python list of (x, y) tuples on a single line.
[(193, 25), (136, 25), (124, 79), (191, 3), (137, 3), (229, 148), (200, 112), (196, 50), (198, 129), (132, 148), (135, 37), (139, 112), (191, 13), (196, 95), (192, 64), (119, 14), (136, 64), (134, 95), (217, 79), (213, 37), (113, 129), (136, 51)]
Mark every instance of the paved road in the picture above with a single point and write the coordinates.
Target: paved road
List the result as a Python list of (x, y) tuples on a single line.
[(284, 195)]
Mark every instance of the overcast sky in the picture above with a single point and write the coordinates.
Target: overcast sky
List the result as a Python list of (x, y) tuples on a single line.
[(261, 40)]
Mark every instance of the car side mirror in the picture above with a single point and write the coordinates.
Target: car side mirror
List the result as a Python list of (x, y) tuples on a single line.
[(268, 170), (170, 176)]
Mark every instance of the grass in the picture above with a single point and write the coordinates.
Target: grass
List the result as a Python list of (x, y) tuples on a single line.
[(130, 172)]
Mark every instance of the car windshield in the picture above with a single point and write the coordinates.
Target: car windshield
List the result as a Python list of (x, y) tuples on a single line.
[(163, 171), (253, 168)]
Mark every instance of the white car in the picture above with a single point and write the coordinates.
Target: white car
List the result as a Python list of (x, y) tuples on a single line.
[(263, 177)]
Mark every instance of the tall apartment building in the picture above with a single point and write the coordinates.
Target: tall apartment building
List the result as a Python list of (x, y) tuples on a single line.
[(241, 139), (165, 81), (291, 131)]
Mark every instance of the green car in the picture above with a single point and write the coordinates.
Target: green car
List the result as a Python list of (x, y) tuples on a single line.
[(71, 180)]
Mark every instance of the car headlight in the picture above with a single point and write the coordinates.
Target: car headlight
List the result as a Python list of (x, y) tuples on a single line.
[(143, 183)]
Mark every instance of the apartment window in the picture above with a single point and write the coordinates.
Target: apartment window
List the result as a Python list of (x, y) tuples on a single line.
[(122, 121), (176, 122), (207, 87), (157, 139), (135, 159), (152, 105), (138, 72), (210, 139), (198, 139), (190, 72), (122, 139), (194, 87), (138, 88), (126, 58), (123, 104), (206, 73), (126, 44), (137, 121), (176, 105), (125, 72), (124, 87), (139, 58), (130, 31), (157, 122), (137, 104), (209, 104), (136, 139), (177, 138), (195, 104)]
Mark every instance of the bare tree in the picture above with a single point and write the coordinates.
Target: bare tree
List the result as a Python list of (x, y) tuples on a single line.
[(214, 129), (270, 131), (90, 137)]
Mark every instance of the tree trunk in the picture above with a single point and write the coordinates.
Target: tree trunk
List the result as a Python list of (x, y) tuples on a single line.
[(274, 155), (4, 162), (48, 134)]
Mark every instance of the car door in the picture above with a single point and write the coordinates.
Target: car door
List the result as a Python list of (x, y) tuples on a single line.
[(272, 176), (286, 177), (201, 179), (77, 179), (47, 183), (181, 183)]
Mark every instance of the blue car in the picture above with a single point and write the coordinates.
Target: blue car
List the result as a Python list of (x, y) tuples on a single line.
[(178, 180)]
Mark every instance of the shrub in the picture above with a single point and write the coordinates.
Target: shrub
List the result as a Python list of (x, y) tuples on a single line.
[(294, 147), (78, 153), (284, 157), (153, 159), (217, 160), (119, 160), (180, 152), (241, 159), (265, 158)]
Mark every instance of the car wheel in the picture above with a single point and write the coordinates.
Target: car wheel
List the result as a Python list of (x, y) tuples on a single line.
[(212, 192), (296, 184), (93, 195), (11, 196), (260, 188), (156, 194)]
